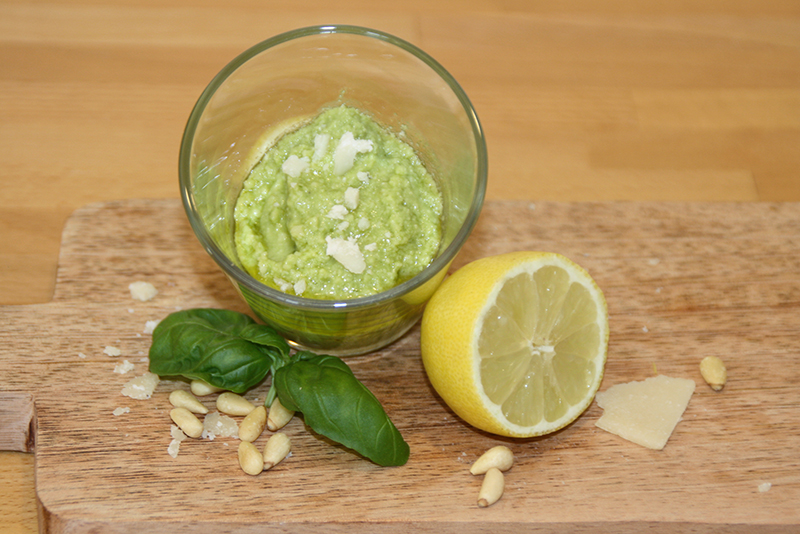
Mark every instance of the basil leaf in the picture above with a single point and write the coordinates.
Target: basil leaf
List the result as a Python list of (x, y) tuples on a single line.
[(227, 349), (337, 405)]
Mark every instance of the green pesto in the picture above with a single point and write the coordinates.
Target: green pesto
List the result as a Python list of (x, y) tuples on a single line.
[(284, 223)]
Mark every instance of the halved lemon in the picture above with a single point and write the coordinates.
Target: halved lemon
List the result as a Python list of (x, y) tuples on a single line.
[(516, 343)]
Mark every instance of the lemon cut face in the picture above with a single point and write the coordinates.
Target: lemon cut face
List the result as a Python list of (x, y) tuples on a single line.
[(516, 344)]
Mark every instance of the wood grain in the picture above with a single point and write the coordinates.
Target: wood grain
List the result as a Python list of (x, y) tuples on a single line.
[(580, 101), (682, 281)]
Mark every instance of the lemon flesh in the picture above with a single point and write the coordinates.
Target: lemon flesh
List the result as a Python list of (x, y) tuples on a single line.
[(516, 344)]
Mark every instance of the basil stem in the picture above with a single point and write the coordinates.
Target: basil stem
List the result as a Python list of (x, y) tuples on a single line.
[(335, 404), (224, 348)]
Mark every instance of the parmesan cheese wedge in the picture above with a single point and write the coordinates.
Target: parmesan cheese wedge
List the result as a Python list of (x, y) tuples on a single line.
[(645, 412)]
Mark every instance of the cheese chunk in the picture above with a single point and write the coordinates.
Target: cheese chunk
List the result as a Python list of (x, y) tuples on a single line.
[(645, 412)]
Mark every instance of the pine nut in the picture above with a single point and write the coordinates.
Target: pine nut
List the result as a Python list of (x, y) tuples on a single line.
[(500, 457), (277, 448), (253, 425), (187, 421), (201, 388), (714, 373), (183, 399), (492, 487), (279, 416), (233, 404), (250, 459)]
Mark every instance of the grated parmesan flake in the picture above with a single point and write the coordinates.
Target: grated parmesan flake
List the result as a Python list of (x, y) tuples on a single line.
[(143, 291), (149, 326), (120, 411), (645, 412), (112, 351), (351, 197), (344, 156), (321, 145), (347, 253), (294, 166), (217, 425), (124, 367), (337, 212), (299, 287), (142, 387), (174, 448)]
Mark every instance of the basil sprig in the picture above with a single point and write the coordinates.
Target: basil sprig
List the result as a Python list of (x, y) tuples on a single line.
[(227, 349), (231, 351), (335, 404)]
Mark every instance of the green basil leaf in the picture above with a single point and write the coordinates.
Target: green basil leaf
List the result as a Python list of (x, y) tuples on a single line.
[(337, 405), (227, 349)]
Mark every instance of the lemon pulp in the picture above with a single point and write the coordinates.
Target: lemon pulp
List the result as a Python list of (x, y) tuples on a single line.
[(537, 353)]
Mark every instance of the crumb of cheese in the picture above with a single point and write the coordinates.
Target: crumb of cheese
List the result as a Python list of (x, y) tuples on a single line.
[(351, 198), (217, 425), (120, 411), (294, 166), (337, 212), (645, 412), (124, 367), (141, 387), (143, 291), (344, 156), (347, 253), (321, 145), (149, 326), (112, 351)]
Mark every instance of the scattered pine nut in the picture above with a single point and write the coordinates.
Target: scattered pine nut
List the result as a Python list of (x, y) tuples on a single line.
[(714, 373), (183, 399), (279, 416), (201, 388), (250, 459), (233, 404), (277, 448), (492, 487), (253, 424), (187, 421), (500, 457)]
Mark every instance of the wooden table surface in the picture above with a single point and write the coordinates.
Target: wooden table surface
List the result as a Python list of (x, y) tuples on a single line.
[(620, 100)]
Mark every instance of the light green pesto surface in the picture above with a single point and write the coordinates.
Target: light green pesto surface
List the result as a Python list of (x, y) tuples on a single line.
[(283, 223)]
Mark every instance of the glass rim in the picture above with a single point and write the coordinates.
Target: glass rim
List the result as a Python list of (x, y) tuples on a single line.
[(239, 275)]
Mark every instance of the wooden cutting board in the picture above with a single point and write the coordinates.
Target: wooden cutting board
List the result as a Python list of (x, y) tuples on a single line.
[(682, 281)]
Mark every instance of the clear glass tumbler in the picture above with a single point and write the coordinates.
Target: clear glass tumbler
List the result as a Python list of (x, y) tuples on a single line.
[(288, 79)]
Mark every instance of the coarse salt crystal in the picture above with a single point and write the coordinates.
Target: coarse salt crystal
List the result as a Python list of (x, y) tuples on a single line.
[(143, 291)]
